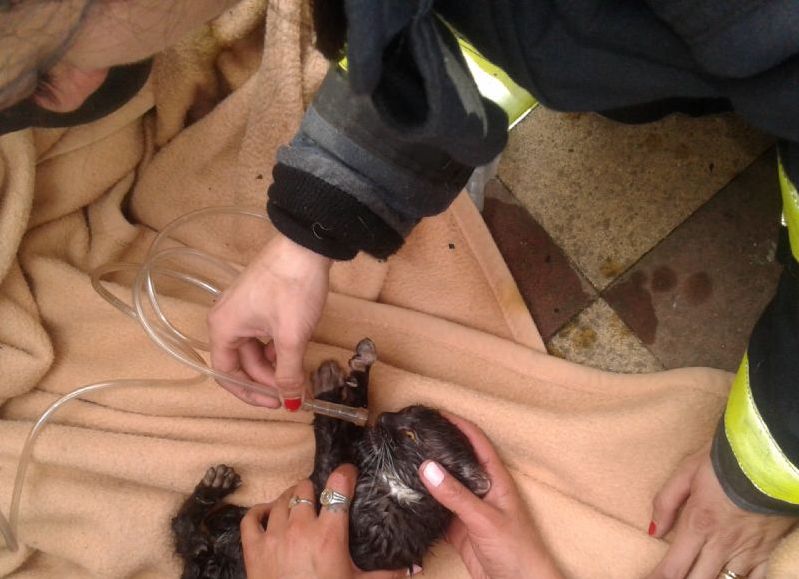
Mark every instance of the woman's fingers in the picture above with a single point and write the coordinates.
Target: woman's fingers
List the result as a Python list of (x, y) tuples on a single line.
[(671, 497), (249, 395), (709, 564), (485, 451), (457, 534), (712, 533), (335, 518), (448, 491), (279, 515), (253, 524), (289, 371), (225, 337), (712, 561), (255, 364), (237, 356), (304, 509), (270, 353), (715, 558), (759, 572), (680, 557)]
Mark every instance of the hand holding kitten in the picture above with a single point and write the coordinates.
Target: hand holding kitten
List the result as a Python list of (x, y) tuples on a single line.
[(298, 544), (494, 536)]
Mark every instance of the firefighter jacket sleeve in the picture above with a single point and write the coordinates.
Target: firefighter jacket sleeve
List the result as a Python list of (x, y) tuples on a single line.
[(389, 141), (751, 51), (756, 448)]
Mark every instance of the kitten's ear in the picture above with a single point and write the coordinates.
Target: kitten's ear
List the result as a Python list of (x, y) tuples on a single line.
[(481, 485)]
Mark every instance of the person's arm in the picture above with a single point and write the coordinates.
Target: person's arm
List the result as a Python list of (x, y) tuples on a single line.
[(732, 502), (756, 448), (724, 502), (380, 150), (389, 142)]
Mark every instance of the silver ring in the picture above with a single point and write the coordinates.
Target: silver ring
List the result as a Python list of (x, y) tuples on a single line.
[(333, 499), (727, 574), (295, 500)]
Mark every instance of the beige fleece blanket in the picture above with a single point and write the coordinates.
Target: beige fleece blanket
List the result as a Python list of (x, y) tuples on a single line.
[(588, 449)]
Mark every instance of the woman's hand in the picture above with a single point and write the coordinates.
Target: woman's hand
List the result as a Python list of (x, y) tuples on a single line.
[(298, 544), (495, 536), (278, 297), (711, 533)]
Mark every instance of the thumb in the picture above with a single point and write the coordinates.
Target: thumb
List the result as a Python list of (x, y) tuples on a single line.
[(289, 373), (450, 493), (667, 503)]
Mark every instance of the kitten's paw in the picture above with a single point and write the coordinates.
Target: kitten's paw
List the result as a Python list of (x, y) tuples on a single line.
[(328, 377), (365, 356), (219, 481)]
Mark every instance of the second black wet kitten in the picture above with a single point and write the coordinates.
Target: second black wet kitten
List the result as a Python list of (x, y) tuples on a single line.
[(393, 519)]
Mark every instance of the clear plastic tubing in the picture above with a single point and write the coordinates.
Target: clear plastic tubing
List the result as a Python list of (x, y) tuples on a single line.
[(147, 310)]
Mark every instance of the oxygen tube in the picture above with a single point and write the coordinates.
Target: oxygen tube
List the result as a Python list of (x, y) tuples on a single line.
[(147, 311)]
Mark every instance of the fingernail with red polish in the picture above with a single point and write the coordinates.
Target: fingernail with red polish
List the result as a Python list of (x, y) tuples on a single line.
[(292, 404), (652, 529)]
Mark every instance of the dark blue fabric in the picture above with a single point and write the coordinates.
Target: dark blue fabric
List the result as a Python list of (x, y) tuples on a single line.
[(403, 57), (594, 55)]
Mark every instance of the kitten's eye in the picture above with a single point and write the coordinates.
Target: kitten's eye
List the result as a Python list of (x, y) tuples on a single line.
[(409, 434)]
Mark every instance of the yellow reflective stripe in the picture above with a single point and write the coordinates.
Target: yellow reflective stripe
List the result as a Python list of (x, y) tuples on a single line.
[(492, 82), (756, 451), (495, 85), (790, 209)]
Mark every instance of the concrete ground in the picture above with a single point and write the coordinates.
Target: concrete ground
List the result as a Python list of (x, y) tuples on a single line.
[(639, 248)]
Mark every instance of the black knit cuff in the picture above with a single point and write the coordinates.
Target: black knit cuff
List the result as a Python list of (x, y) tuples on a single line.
[(325, 219)]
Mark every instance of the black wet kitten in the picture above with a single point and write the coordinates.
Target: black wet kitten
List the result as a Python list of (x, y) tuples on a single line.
[(393, 519)]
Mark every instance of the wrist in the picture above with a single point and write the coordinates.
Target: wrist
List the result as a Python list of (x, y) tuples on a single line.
[(294, 250)]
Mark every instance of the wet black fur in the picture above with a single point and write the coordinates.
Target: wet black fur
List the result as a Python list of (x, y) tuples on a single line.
[(387, 531)]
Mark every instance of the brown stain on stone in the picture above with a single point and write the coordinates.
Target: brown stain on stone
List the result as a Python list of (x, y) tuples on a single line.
[(583, 338), (663, 279), (610, 268), (632, 299), (698, 288)]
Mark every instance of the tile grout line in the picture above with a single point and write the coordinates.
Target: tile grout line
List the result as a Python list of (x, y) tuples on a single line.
[(673, 229)]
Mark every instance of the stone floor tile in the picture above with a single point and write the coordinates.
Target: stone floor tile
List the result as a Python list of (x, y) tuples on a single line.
[(599, 338), (552, 289), (694, 299), (608, 192)]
